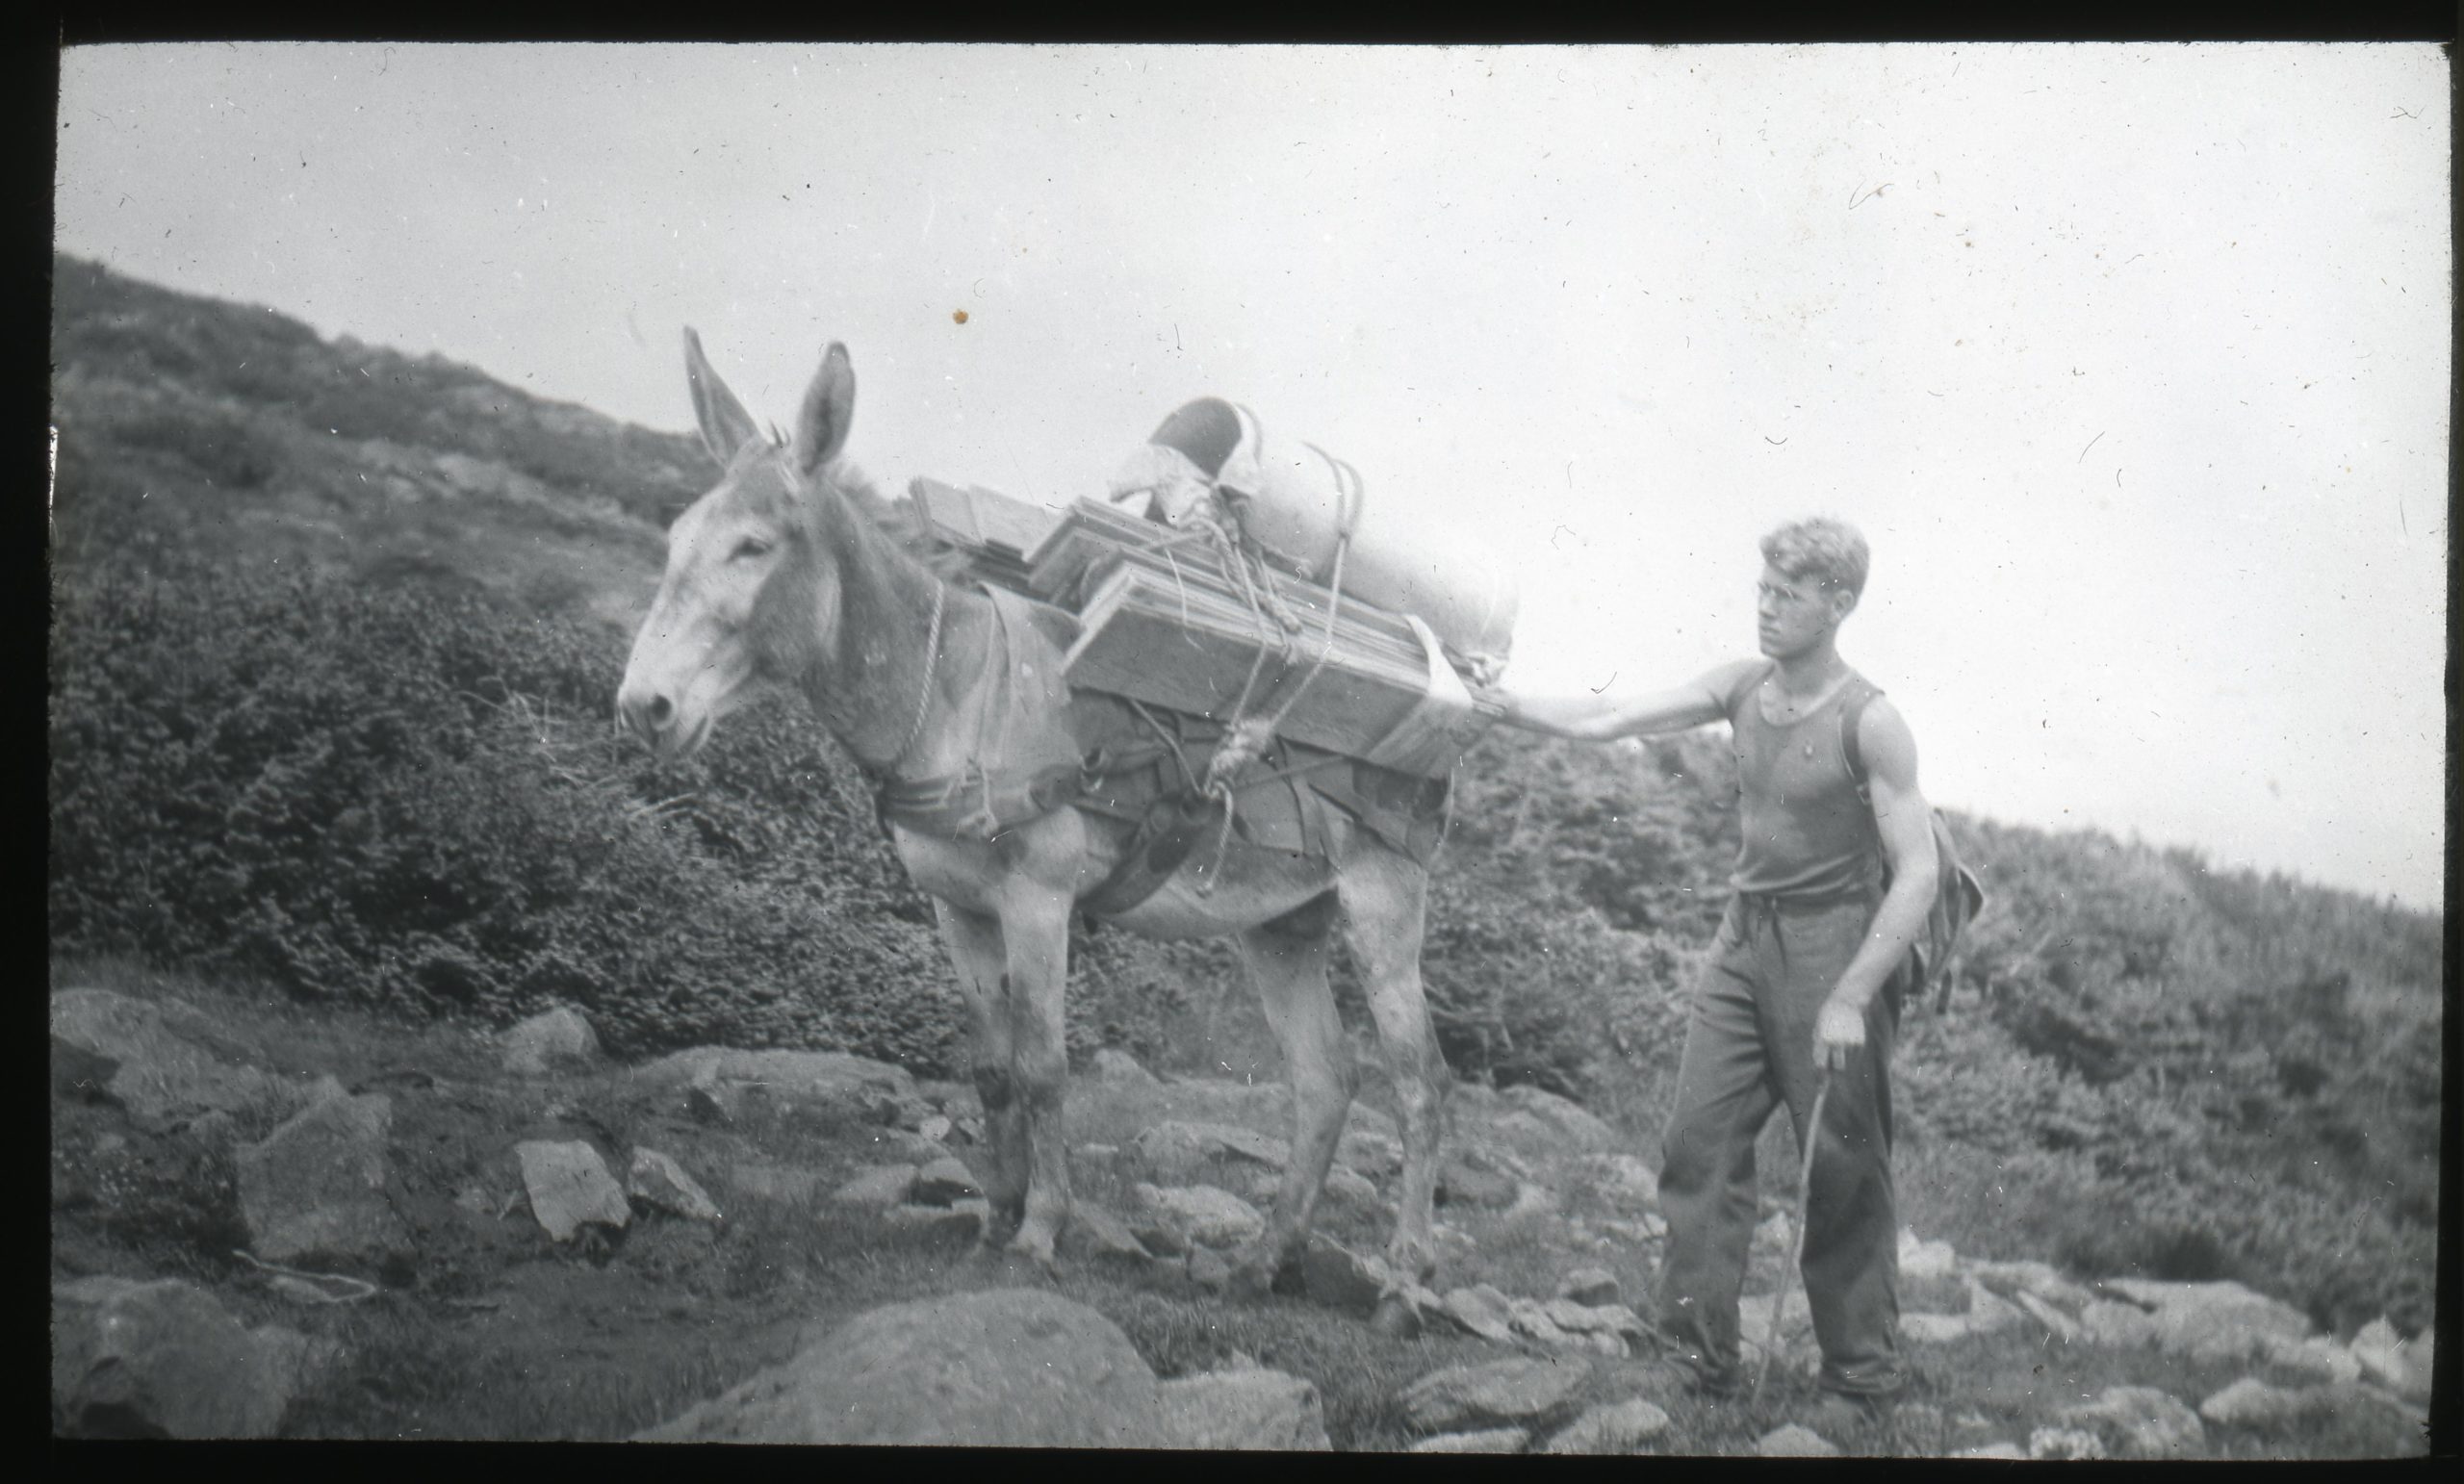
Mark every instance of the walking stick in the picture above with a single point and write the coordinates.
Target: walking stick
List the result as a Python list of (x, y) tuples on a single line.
[(1797, 1258)]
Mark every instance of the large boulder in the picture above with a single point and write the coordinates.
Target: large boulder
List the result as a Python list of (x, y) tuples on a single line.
[(559, 1037), (162, 1360), (1500, 1394), (1010, 1368), (1483, 1311), (2211, 1320), (1121, 1070), (170, 1062), (316, 1186), (1244, 1410)]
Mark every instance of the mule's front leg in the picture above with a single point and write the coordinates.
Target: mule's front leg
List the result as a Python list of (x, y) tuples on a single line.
[(974, 942), (1287, 961), (1034, 933)]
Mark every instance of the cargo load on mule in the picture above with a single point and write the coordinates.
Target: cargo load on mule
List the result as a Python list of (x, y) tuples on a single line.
[(1228, 581)]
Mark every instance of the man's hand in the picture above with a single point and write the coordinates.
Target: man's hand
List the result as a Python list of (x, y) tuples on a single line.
[(1838, 1032)]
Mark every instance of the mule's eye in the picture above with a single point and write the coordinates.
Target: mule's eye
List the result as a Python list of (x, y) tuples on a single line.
[(749, 547)]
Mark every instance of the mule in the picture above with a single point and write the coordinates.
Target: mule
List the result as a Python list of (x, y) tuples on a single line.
[(779, 575)]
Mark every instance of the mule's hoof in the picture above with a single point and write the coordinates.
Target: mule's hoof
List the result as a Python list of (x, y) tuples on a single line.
[(1040, 1253), (1396, 1317)]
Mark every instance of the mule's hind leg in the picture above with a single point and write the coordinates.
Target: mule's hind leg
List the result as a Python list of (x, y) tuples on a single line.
[(974, 942), (1385, 901), (1287, 961)]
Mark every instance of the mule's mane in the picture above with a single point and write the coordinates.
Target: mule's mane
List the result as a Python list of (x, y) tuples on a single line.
[(901, 521)]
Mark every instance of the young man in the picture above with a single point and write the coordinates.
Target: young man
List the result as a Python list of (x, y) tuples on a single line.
[(1801, 982)]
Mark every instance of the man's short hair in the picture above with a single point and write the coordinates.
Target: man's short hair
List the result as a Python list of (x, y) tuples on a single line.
[(1828, 550)]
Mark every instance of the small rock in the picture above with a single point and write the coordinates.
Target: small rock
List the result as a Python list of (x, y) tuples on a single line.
[(2001, 1449), (1753, 1315), (1987, 1312), (559, 1037), (2148, 1422), (2065, 1442), (1589, 1285), (315, 1187), (1208, 1270), (1621, 1428), (935, 1128), (651, 1177), (1347, 1185), (1531, 1199), (1933, 1328), (1341, 1278), (1624, 1180), (1503, 1392), (968, 1131), (1531, 1319), (1370, 1152), (757, 1180), (965, 1217), (1795, 1441), (1176, 1148), (2313, 1355), (788, 1079), (1095, 1232), (1483, 1311), (475, 1199), (1201, 1214), (1569, 1118), (1925, 1259), (569, 1187), (2251, 1402), (943, 1182), (1121, 1069), (2062, 1326), (2404, 1366), (1458, 1184), (2010, 1279), (1777, 1234), (877, 1188), (2120, 1325), (297, 1363), (1246, 1409), (898, 1109), (1488, 1440)]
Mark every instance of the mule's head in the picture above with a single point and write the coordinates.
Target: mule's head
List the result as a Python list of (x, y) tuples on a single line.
[(749, 586)]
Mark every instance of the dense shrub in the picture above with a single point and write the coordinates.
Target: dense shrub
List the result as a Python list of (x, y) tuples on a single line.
[(416, 800)]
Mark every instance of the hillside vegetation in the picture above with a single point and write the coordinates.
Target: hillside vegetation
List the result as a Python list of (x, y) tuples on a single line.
[(335, 640)]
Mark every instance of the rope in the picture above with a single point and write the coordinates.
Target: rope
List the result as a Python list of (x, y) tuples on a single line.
[(1797, 1258), (924, 692)]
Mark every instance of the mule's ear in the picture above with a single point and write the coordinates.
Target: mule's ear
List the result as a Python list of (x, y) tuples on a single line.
[(830, 405), (726, 426)]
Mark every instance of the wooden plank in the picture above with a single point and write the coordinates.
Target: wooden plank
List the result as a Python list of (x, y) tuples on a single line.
[(1191, 651)]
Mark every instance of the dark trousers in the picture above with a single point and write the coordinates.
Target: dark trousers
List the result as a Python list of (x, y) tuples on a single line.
[(1749, 1049)]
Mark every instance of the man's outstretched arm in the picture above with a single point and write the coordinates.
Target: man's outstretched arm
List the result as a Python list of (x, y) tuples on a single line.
[(1590, 718)]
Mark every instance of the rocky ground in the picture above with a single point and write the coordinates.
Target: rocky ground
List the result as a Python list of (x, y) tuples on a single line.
[(274, 1221)]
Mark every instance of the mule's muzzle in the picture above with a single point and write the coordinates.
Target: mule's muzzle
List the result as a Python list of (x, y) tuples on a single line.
[(654, 716)]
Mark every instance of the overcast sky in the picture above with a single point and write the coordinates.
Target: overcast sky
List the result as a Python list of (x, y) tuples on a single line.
[(2131, 361)]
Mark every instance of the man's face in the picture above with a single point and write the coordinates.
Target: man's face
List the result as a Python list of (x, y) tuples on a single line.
[(1792, 615)]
